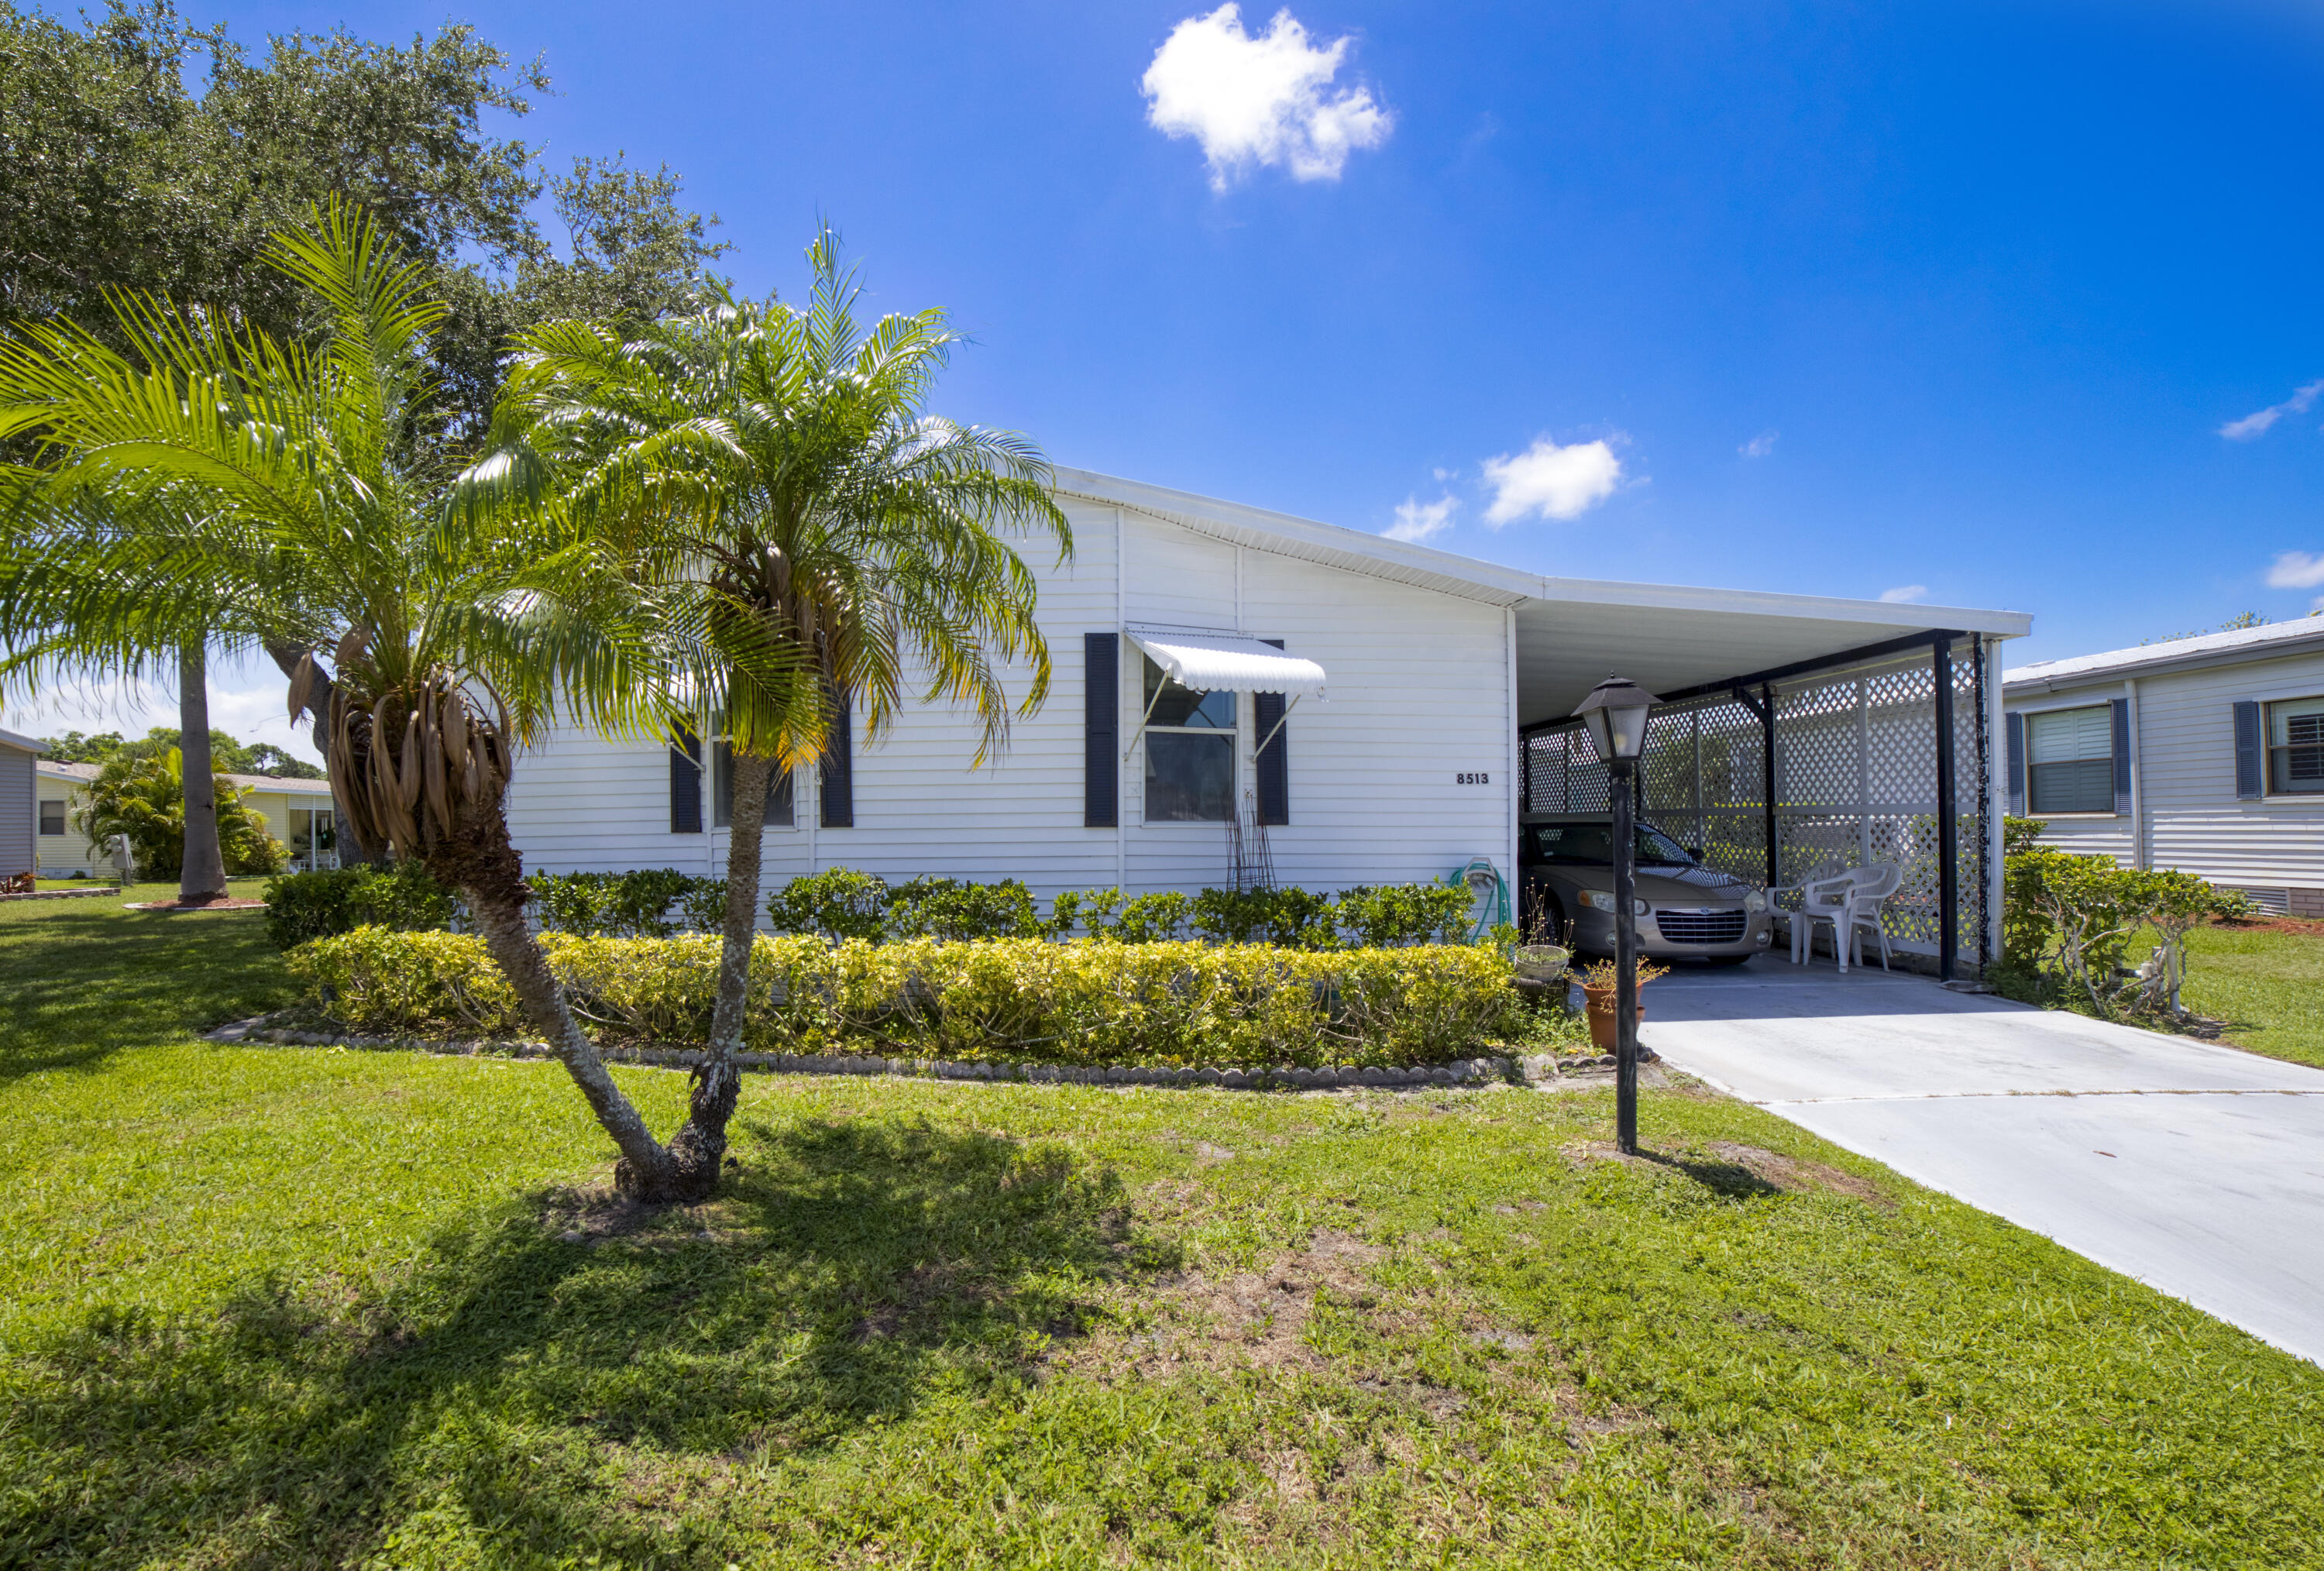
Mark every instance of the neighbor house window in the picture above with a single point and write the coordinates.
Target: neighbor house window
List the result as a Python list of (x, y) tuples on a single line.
[(52, 815), (2069, 760), (2295, 746), (1190, 752)]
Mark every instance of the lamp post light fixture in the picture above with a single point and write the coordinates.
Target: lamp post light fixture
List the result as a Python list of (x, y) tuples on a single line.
[(1617, 712)]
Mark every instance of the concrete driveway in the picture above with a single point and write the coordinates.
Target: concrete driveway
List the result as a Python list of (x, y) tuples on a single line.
[(2198, 1170)]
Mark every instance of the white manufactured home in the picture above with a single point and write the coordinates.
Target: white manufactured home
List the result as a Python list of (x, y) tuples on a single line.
[(2204, 755), (1346, 709)]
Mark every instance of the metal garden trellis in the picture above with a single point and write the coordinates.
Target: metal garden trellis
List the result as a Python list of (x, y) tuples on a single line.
[(1780, 774)]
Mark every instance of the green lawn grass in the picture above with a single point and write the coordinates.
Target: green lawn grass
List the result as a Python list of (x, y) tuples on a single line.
[(2266, 982), (293, 1306)]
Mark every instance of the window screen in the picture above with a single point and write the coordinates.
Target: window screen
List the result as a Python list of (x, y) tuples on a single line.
[(52, 815), (2295, 746), (1190, 752), (2069, 760)]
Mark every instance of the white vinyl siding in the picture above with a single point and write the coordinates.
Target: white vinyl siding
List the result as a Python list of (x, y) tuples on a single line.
[(1418, 699), (2069, 760), (17, 853)]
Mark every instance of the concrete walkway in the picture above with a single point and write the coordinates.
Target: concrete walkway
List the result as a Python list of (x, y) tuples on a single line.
[(2198, 1170)]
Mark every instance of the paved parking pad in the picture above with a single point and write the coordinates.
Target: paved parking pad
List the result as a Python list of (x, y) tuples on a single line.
[(2196, 1169)]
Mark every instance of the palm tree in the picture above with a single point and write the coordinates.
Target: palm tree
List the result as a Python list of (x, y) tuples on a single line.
[(435, 633), (827, 543)]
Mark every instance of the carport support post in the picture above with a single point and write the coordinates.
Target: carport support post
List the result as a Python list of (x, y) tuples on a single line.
[(1626, 959), (1948, 818)]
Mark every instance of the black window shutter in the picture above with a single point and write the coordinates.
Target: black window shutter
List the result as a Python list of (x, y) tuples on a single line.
[(2250, 783), (686, 783), (2122, 755), (1101, 730), (1275, 758), (839, 767), (2017, 765)]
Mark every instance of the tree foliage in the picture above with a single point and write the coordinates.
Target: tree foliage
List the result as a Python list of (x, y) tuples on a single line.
[(228, 756), (146, 153)]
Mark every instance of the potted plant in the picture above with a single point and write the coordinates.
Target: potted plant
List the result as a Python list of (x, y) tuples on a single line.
[(1536, 955), (1598, 983)]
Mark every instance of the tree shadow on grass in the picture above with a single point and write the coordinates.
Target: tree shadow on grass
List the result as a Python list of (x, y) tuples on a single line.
[(519, 1389), (85, 979)]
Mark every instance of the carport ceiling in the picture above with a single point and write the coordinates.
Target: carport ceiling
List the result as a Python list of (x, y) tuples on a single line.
[(1665, 639)]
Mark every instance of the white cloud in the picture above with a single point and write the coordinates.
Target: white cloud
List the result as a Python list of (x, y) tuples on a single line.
[(2296, 570), (2256, 424), (1418, 520), (1760, 446), (1444, 474), (1549, 481), (1904, 593), (1263, 102)]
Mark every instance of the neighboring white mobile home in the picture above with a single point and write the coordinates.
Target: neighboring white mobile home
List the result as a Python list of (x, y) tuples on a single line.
[(298, 812), (2204, 755), (1350, 712)]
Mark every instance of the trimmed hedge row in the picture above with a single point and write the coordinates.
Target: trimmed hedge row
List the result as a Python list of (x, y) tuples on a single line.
[(1014, 999)]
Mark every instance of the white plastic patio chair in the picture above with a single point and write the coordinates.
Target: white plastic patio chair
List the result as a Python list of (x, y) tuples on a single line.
[(1778, 912), (1821, 895), (1849, 903)]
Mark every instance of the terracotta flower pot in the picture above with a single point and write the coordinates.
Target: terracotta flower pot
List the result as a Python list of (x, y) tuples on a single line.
[(1602, 1017)]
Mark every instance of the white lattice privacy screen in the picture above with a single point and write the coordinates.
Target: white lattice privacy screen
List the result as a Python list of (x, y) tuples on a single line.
[(1855, 782)]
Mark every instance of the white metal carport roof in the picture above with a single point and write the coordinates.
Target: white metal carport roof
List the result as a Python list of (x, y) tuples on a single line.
[(1573, 632)]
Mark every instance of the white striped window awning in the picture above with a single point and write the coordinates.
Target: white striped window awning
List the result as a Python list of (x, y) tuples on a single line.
[(1226, 662)]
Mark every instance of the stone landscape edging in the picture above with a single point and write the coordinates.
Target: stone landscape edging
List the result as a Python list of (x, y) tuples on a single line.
[(1488, 1069)]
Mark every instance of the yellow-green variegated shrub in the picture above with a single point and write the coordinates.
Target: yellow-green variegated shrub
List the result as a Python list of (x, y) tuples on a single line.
[(1020, 1000)]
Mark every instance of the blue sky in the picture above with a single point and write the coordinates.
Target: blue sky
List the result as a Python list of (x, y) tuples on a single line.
[(1841, 300)]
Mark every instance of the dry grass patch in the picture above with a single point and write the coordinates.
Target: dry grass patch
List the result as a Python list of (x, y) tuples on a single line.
[(1251, 1319)]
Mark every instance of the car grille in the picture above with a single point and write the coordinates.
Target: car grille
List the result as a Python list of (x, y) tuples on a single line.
[(1702, 927)]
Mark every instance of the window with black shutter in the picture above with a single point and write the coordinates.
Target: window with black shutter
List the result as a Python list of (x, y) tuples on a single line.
[(1274, 760), (838, 791), (1101, 730), (685, 784), (2016, 763)]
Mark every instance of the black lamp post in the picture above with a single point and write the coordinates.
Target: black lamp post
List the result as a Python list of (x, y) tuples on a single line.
[(1617, 711)]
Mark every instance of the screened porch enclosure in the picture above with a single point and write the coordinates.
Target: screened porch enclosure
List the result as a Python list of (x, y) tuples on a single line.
[(1878, 754)]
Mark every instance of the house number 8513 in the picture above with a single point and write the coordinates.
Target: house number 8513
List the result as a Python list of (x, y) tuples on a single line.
[(1474, 777)]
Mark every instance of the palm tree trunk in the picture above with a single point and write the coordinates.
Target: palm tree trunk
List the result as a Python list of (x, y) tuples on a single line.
[(481, 862), (346, 842), (700, 1147), (202, 876)]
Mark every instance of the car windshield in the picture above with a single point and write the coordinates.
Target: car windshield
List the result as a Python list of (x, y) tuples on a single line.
[(1594, 843)]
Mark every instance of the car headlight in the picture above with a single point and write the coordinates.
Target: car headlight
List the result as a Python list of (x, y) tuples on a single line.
[(1599, 900), (1756, 901)]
